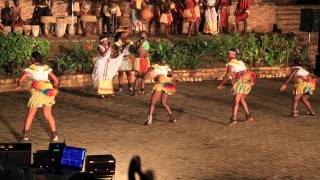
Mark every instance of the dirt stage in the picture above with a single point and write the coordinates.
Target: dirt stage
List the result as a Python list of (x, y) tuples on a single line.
[(199, 146)]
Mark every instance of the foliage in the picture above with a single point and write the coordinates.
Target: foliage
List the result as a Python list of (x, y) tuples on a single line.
[(16, 50), (80, 60), (255, 50)]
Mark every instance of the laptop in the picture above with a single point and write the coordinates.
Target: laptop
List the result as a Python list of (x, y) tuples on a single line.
[(72, 160)]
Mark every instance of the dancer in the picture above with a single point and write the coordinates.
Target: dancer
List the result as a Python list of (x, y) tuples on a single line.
[(305, 84), (244, 80), (109, 65), (124, 43), (163, 87), (142, 63), (43, 93), (99, 67)]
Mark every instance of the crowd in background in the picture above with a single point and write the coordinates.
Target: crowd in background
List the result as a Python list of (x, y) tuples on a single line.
[(176, 16)]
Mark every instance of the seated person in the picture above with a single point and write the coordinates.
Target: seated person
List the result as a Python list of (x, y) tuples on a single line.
[(5, 14), (81, 8)]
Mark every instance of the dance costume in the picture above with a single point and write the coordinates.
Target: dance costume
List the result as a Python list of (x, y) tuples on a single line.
[(127, 62), (304, 82), (142, 64), (163, 82), (42, 91), (243, 78)]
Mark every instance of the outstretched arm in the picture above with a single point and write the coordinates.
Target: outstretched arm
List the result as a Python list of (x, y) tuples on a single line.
[(290, 77), (22, 78), (226, 76)]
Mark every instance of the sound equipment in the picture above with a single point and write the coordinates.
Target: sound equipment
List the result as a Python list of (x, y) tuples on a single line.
[(310, 20), (17, 155), (101, 166), (72, 160)]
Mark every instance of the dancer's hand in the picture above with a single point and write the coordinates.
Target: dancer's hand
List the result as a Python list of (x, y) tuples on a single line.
[(220, 87), (18, 88), (283, 87)]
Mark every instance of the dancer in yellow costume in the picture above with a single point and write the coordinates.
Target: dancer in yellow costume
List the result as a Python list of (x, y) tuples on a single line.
[(241, 87), (162, 89), (43, 93), (304, 86)]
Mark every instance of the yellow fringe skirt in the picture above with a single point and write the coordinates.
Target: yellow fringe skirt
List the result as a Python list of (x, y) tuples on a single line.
[(164, 84), (304, 87), (241, 86), (38, 99)]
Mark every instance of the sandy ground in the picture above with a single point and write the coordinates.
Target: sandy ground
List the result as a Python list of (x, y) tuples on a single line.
[(199, 146)]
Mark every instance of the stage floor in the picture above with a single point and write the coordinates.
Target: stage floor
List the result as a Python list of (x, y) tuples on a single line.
[(199, 146)]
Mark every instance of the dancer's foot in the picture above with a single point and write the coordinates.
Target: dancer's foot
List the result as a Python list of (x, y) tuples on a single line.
[(233, 121), (120, 90), (310, 113), (102, 96), (142, 92), (249, 118), (294, 114), (54, 137), (149, 122), (172, 119), (130, 89)]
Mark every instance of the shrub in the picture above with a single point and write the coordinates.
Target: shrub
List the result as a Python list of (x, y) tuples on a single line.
[(16, 50)]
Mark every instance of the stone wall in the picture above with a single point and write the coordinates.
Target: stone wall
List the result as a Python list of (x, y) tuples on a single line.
[(83, 80)]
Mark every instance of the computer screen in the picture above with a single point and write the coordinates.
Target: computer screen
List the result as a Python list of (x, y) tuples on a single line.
[(73, 157)]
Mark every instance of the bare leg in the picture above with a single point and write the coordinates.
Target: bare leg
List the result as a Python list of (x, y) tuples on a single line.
[(245, 26), (120, 76), (128, 73), (154, 99), (136, 83), (142, 86), (306, 102), (191, 26), (246, 108), (47, 111), (235, 108), (295, 102), (28, 121), (164, 101)]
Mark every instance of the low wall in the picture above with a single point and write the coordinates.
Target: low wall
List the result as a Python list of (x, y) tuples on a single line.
[(82, 80)]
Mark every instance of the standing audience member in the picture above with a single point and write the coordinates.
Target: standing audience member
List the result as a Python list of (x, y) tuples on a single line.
[(210, 26), (242, 13), (6, 14), (166, 17), (224, 13), (15, 14), (190, 16)]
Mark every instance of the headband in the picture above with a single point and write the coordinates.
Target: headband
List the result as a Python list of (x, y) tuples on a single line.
[(104, 39)]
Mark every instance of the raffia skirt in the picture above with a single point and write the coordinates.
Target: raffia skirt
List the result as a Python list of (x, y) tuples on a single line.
[(165, 85), (304, 87)]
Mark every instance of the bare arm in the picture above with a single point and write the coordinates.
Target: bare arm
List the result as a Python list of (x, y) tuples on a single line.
[(290, 77), (22, 78), (54, 79), (148, 72), (101, 51), (226, 76)]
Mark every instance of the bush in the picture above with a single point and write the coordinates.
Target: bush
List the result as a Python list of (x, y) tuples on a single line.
[(255, 50), (16, 50)]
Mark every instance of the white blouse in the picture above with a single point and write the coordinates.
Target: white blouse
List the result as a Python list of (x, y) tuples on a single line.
[(236, 65), (160, 70), (38, 73), (301, 71)]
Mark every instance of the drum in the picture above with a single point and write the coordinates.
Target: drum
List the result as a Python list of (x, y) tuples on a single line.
[(35, 30), (60, 27), (147, 13), (7, 30), (27, 30), (47, 20), (71, 24), (76, 7), (17, 29), (89, 24)]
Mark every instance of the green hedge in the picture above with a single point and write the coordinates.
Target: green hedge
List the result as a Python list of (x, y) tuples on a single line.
[(255, 50), (16, 50)]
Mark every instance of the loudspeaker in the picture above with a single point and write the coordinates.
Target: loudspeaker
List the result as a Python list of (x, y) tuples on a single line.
[(310, 20), (17, 155), (101, 166)]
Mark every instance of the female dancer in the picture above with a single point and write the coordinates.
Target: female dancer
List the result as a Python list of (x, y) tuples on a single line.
[(162, 88), (99, 67), (123, 42), (242, 84), (143, 62), (305, 84), (43, 93)]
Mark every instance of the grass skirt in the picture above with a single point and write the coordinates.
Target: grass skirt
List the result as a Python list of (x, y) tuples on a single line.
[(42, 93), (304, 86), (164, 84)]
